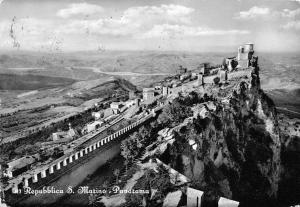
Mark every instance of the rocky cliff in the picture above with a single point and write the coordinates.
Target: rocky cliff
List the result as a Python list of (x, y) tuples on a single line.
[(233, 149)]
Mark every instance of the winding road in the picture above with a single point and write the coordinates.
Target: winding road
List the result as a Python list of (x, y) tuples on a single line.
[(97, 70)]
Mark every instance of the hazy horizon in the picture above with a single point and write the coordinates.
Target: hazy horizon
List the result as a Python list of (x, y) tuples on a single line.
[(234, 51)]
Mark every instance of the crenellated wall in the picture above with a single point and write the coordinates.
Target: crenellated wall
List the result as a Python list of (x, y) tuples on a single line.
[(209, 79), (224, 76), (240, 73)]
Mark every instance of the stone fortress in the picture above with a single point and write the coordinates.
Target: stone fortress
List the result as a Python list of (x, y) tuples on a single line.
[(184, 81)]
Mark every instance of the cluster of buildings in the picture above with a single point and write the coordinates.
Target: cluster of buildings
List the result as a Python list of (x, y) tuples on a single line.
[(103, 116), (244, 59), (23, 164), (205, 73), (64, 135), (60, 138), (119, 107), (18, 166)]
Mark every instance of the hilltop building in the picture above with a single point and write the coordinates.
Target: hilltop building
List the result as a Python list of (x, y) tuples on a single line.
[(244, 58), (70, 134), (107, 113), (181, 70), (165, 91), (97, 115), (223, 75), (148, 94), (132, 94), (230, 63), (184, 76), (92, 126), (20, 165), (245, 53), (199, 80), (158, 87), (204, 68), (117, 107)]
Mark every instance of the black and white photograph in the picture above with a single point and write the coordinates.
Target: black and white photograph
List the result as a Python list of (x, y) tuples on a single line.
[(150, 103)]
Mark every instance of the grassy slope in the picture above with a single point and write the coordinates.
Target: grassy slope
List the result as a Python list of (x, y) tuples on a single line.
[(36, 108)]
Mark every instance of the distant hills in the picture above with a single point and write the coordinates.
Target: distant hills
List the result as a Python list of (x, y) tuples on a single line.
[(111, 61), (31, 82), (278, 71)]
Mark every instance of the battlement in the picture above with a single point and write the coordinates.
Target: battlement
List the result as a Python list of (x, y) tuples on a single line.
[(221, 77), (245, 54)]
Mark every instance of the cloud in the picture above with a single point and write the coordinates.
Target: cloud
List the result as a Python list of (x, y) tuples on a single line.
[(170, 13), (146, 22), (99, 27), (292, 25), (265, 12), (79, 9), (135, 20), (1, 1), (291, 16), (295, 1), (291, 13), (253, 13), (173, 31), (135, 23)]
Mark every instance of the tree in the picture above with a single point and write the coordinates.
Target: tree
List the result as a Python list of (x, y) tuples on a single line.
[(151, 180), (125, 149), (174, 113), (154, 124), (129, 148), (143, 136), (164, 118), (26, 149), (117, 173), (216, 80), (126, 162), (109, 131), (93, 199)]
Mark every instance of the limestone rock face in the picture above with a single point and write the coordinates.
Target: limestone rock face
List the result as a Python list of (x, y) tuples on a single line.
[(238, 147)]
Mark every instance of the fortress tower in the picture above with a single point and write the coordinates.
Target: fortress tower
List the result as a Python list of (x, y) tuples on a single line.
[(200, 80), (245, 53), (165, 91), (148, 94)]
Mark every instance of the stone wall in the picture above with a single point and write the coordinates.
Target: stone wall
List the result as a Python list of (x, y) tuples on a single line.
[(240, 73)]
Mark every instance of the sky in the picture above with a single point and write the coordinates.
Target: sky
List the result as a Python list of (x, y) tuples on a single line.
[(165, 25)]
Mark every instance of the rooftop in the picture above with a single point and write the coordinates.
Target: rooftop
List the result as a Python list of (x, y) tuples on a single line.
[(22, 162), (148, 89)]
